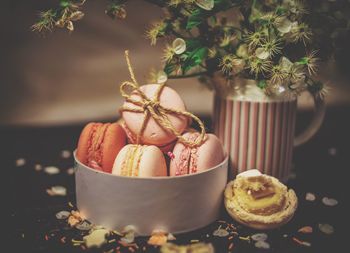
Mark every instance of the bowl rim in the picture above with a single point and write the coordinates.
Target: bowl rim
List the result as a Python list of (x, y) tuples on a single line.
[(225, 161)]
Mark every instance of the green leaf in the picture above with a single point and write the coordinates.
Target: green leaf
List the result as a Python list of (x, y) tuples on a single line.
[(195, 19), (169, 68), (194, 58), (262, 84), (64, 3), (192, 44)]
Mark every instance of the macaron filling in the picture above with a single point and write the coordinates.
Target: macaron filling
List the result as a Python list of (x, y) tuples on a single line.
[(131, 163)]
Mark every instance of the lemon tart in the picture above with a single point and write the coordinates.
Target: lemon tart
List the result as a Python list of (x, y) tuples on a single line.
[(259, 201)]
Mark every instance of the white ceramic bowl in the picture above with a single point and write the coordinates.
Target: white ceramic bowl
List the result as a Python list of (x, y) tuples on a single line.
[(171, 204)]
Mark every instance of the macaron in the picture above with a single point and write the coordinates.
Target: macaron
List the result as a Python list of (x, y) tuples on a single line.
[(153, 133), (140, 161), (133, 140), (186, 160), (99, 144)]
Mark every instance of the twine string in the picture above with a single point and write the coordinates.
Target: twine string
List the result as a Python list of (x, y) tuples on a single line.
[(153, 108)]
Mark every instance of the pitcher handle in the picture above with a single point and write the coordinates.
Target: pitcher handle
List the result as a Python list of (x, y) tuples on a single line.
[(316, 121)]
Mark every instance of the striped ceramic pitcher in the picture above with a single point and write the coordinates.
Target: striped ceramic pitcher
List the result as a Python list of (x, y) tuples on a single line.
[(258, 131)]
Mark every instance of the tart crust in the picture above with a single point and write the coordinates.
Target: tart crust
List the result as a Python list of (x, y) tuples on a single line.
[(279, 209)]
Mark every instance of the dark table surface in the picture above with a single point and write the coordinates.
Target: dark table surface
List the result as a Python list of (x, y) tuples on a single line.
[(319, 167)]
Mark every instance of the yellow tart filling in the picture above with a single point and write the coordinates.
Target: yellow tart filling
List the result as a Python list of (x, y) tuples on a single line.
[(259, 195)]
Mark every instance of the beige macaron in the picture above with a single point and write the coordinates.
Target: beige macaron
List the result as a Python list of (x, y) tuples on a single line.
[(140, 161)]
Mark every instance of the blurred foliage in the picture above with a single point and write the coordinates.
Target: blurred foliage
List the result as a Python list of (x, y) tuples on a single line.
[(279, 43)]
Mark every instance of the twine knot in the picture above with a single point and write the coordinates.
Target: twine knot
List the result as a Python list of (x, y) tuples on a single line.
[(153, 108)]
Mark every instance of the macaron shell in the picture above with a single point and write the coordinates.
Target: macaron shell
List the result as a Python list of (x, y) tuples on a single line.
[(152, 162), (114, 140), (210, 153), (119, 160), (132, 140), (155, 134), (206, 156), (83, 143)]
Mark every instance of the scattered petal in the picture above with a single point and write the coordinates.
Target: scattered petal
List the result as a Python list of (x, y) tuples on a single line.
[(261, 53), (96, 238), (62, 215), (305, 230), (171, 237), (73, 221), (179, 46), (57, 191), (128, 237), (326, 228), (38, 167), (329, 201), (259, 237), (20, 162), (66, 154), (161, 77), (70, 171), (129, 234), (310, 196), (158, 239), (205, 4), (194, 248), (285, 235), (304, 243), (284, 26), (52, 170), (262, 245), (84, 226), (332, 151), (221, 232)]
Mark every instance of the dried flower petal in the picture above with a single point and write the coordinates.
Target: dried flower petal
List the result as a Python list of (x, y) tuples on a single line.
[(221, 232), (179, 46), (73, 221), (284, 25), (262, 245), (310, 196), (158, 239), (162, 77), (70, 26), (62, 215), (84, 226), (261, 53), (66, 154), (305, 230), (96, 238), (329, 201), (326, 228), (75, 16), (205, 4), (20, 162), (38, 167), (51, 170), (57, 191), (259, 237)]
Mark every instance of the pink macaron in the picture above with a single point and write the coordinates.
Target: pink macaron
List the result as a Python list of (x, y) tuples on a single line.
[(186, 160), (155, 134), (140, 161)]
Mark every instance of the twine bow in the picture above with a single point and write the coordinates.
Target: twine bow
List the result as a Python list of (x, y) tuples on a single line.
[(153, 108)]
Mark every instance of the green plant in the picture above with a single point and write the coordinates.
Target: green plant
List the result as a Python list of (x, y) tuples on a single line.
[(269, 40)]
